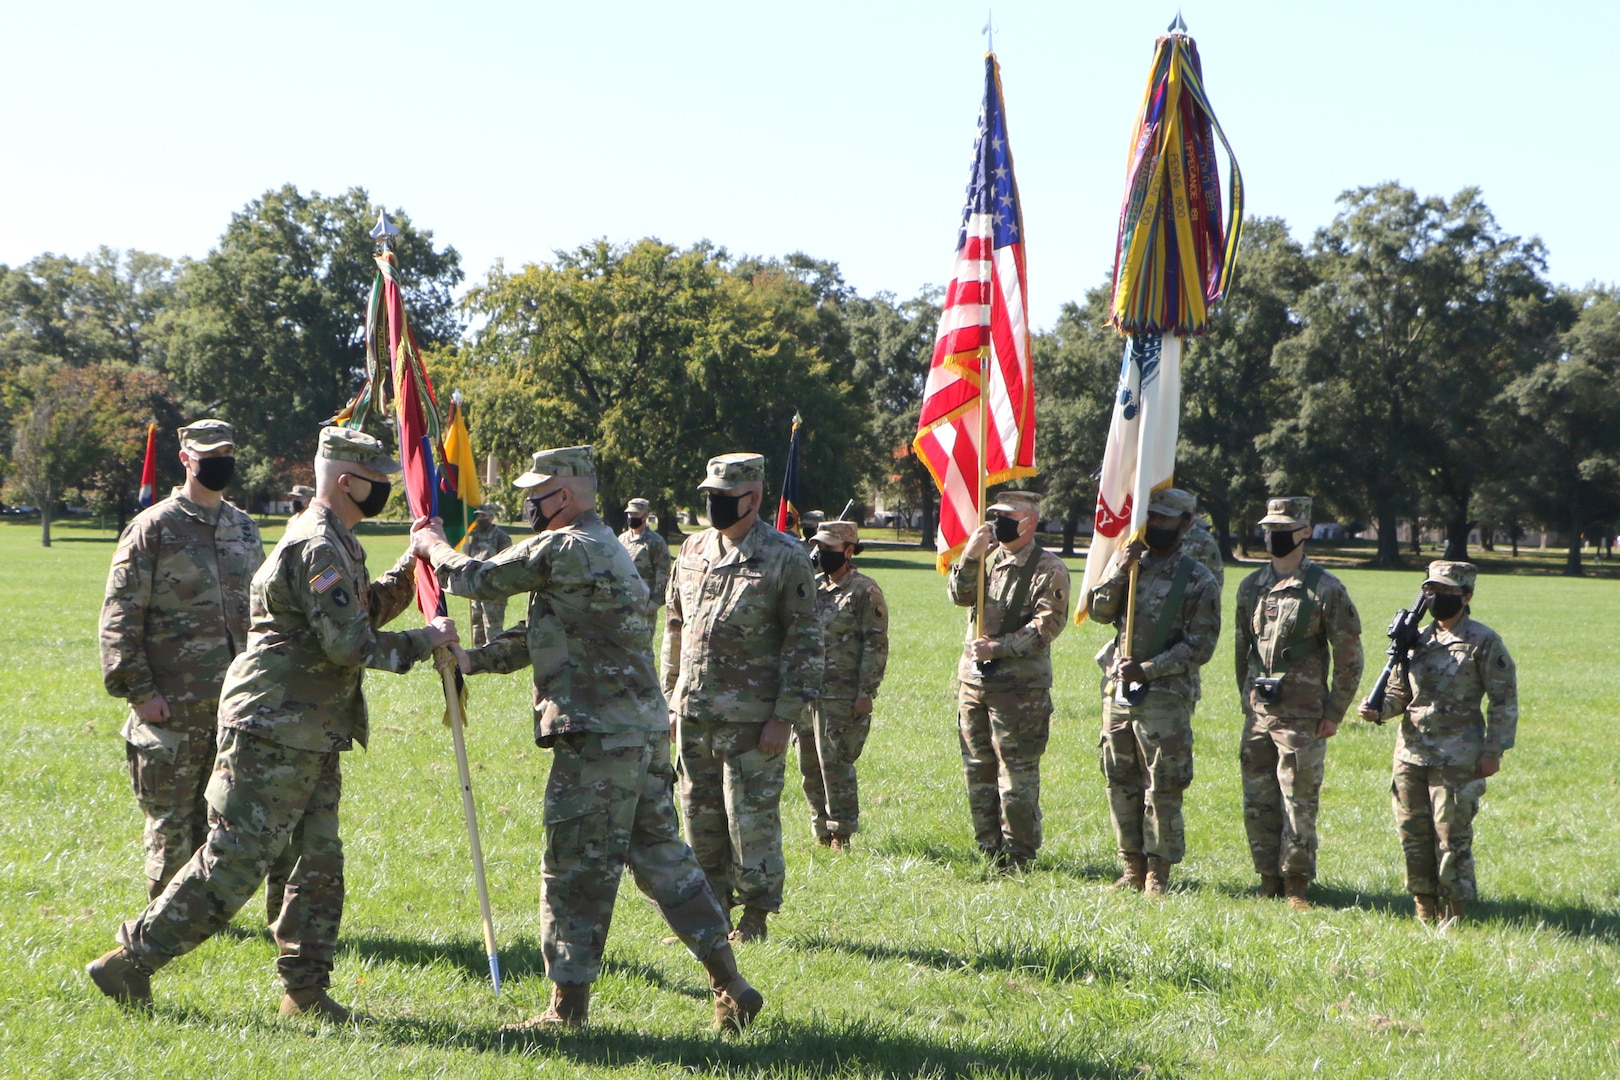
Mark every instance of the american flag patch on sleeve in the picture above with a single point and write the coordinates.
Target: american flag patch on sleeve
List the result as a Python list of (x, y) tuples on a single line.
[(325, 579)]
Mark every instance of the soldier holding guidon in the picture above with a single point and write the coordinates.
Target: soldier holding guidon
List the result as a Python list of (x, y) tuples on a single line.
[(1004, 704), (1292, 615), (1151, 687), (855, 628), (598, 708), (174, 617), (742, 660), (290, 705), (1447, 746)]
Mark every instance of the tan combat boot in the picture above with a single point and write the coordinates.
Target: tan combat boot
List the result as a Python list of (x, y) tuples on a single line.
[(1158, 878), (1271, 887), (313, 1001), (1135, 875), (735, 1002), (1455, 909), (1428, 908), (570, 1007), (122, 976), (840, 843), (751, 927), (1294, 886)]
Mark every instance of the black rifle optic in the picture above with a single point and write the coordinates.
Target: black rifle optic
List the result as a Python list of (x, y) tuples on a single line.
[(1403, 634)]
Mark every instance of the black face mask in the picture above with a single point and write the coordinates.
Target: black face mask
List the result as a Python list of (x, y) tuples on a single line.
[(1006, 528), (1445, 605), (828, 562), (214, 473), (635, 522), (534, 512), (1161, 539), (808, 532), (375, 499), (723, 509), (1280, 542)]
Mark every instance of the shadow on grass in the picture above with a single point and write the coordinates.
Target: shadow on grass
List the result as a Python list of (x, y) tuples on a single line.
[(1576, 921), (775, 1047)]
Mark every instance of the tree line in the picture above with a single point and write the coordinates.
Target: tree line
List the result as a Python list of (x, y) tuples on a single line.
[(1410, 363)]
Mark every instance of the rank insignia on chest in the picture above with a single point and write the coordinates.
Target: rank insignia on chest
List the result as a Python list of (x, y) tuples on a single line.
[(325, 580)]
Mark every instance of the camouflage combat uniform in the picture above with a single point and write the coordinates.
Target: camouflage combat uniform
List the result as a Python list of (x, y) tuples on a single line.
[(1444, 733), (1003, 720), (650, 554), (291, 702), (174, 616), (1281, 755), (488, 617), (741, 646), (597, 705), (855, 628), (1147, 749), (1201, 544)]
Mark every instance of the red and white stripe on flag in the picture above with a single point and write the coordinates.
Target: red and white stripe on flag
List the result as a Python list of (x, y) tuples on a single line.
[(982, 350)]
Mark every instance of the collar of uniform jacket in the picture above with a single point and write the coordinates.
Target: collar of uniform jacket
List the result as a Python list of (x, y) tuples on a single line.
[(1017, 558), (1287, 581), (178, 495), (723, 551), (340, 530)]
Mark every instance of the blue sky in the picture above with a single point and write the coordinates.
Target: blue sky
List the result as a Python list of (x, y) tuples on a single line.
[(843, 130)]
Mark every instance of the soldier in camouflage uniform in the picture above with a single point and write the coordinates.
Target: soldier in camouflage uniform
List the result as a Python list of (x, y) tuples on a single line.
[(1290, 615), (598, 708), (1448, 746), (290, 704), (809, 522), (1201, 544), (485, 540), (1147, 747), (742, 659), (299, 496), (174, 616), (647, 550), (1004, 704), (855, 629)]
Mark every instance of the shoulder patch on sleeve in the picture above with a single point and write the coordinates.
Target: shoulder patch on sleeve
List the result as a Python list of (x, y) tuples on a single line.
[(1501, 661), (325, 580)]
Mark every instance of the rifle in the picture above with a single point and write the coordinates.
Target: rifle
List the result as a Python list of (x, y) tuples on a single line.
[(1403, 634)]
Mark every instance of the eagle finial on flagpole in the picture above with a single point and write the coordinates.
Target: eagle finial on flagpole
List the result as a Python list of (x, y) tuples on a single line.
[(384, 231)]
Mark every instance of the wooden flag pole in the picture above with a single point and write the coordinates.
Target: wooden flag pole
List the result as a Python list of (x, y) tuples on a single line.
[(446, 663), (984, 439)]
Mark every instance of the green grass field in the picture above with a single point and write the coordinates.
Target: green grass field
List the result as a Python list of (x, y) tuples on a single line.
[(901, 959)]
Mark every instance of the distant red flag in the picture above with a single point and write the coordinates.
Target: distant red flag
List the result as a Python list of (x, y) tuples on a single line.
[(787, 510), (148, 493)]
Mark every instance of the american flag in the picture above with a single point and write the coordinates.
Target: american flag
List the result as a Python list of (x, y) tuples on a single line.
[(983, 339)]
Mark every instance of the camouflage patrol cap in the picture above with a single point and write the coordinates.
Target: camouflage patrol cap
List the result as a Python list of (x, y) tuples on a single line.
[(488, 510), (812, 517), (302, 491), (1173, 502), (728, 472), (1460, 574), (1013, 502), (837, 532), (1290, 512), (638, 506), (201, 436), (561, 461), (354, 445)]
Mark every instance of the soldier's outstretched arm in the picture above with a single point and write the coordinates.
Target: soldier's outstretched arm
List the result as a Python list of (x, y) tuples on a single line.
[(1200, 629), (521, 568), (394, 591), (1051, 592), (325, 590), (507, 653), (124, 668)]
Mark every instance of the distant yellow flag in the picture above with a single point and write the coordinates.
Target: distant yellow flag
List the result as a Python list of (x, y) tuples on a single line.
[(463, 466)]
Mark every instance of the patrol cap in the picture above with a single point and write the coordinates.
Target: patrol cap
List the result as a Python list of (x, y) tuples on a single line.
[(1290, 512), (1012, 502), (354, 445), (302, 491), (202, 436), (837, 532), (812, 517), (728, 472), (638, 506), (489, 510), (1460, 574), (562, 461), (1173, 502)]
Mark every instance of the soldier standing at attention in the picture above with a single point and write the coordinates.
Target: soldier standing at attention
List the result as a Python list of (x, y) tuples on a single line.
[(299, 496), (174, 616), (742, 659), (1004, 704), (1290, 615), (485, 540), (855, 629), (291, 703), (1448, 747), (647, 551), (1151, 686), (1201, 544), (598, 708)]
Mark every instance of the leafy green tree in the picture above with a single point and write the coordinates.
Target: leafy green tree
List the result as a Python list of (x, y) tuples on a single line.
[(1568, 411), (892, 343), (1076, 377), (267, 329), (1423, 311)]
